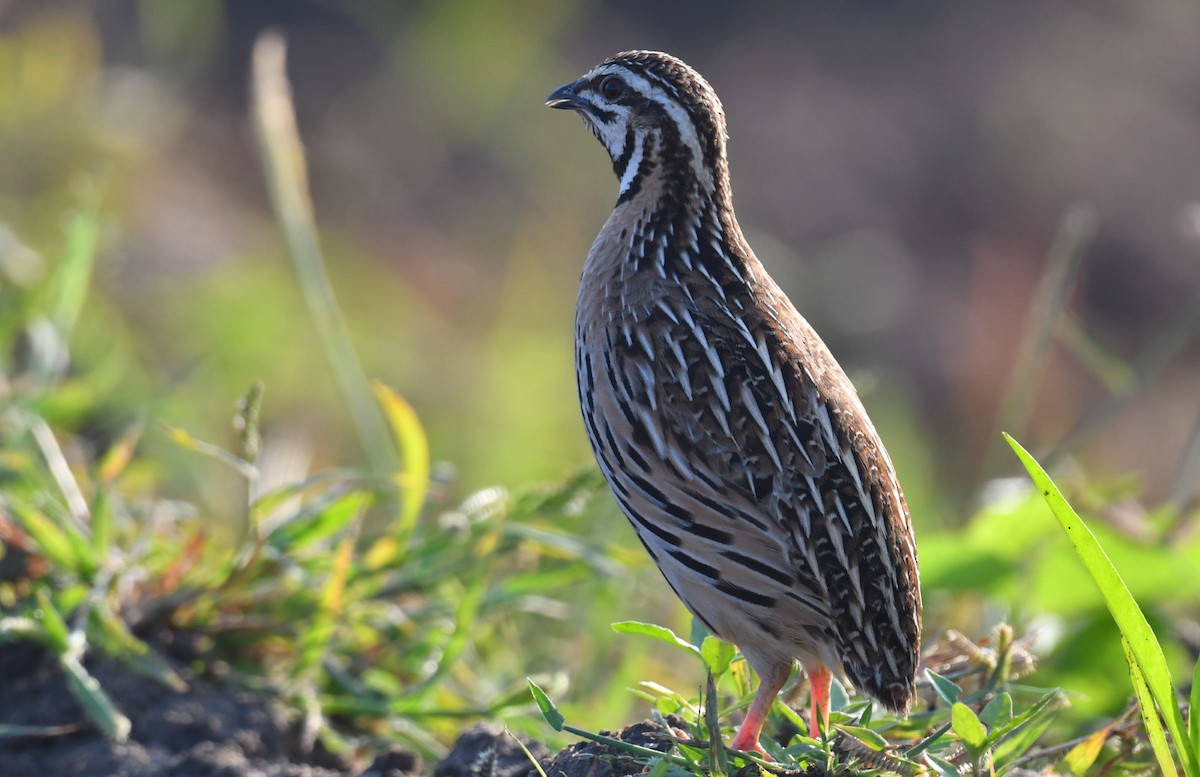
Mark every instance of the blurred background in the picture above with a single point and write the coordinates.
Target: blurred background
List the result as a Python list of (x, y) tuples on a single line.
[(910, 175)]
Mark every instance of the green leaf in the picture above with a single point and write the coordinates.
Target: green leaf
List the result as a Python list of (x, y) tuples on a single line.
[(717, 655), (549, 711), (944, 768), (947, 690), (870, 739), (660, 768), (968, 728), (1083, 755), (1143, 644), (998, 711), (660, 633)]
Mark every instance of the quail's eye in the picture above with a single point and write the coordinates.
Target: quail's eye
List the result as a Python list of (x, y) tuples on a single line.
[(612, 88)]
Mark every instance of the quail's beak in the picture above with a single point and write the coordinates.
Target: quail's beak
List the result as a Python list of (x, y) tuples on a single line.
[(565, 97)]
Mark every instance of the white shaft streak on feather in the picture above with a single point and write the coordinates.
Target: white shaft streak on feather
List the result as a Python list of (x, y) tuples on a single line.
[(660, 264), (681, 464), (666, 309), (647, 347), (660, 448), (805, 515), (718, 374), (836, 539), (721, 412), (831, 440), (847, 457), (801, 448), (841, 510), (856, 587), (694, 227), (685, 379), (720, 290), (751, 404), (647, 373)]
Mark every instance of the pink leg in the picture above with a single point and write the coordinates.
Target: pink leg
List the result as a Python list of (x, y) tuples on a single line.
[(820, 679), (768, 688)]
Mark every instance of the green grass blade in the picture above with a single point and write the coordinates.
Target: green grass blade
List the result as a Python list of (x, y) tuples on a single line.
[(95, 702), (73, 275), (1042, 322), (52, 540), (1194, 710), (1002, 735), (185, 440), (314, 641), (324, 517), (287, 179), (1012, 749), (111, 635), (929, 741), (1143, 644), (1154, 729), (54, 627), (413, 476), (18, 731), (537, 766), (944, 768)]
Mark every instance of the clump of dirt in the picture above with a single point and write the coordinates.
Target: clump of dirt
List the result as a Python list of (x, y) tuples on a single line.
[(212, 731), (204, 731)]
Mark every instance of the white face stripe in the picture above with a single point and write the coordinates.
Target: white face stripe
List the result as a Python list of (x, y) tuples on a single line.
[(612, 134), (655, 93), (633, 166)]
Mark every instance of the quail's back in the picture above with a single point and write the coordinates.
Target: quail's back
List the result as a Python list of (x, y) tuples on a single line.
[(731, 438)]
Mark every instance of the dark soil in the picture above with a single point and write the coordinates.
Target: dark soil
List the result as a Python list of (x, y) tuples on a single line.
[(211, 731)]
